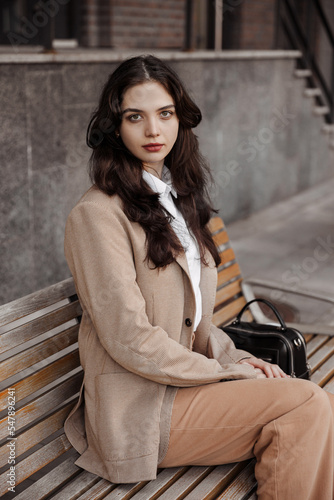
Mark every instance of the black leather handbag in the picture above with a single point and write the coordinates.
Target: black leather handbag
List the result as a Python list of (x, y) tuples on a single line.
[(276, 344)]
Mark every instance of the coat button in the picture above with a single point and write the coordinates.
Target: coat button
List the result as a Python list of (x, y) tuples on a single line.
[(188, 322)]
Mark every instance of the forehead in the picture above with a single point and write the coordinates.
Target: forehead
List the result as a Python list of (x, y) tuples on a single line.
[(148, 94)]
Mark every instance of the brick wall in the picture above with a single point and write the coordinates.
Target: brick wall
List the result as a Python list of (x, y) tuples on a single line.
[(96, 23), (249, 24), (133, 23), (258, 24)]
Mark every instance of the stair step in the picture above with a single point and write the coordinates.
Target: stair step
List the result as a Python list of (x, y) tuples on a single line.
[(303, 73), (321, 110), (328, 128), (312, 92)]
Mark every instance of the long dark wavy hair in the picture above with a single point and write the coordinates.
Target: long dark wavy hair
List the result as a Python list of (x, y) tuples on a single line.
[(114, 169)]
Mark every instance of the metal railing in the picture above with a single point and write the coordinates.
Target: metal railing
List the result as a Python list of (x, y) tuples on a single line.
[(304, 25)]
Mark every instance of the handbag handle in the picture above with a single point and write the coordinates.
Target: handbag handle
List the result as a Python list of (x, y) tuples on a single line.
[(269, 304)]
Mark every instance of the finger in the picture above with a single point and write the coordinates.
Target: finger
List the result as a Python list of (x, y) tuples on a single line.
[(271, 370), (278, 372), (259, 373), (265, 367), (268, 370)]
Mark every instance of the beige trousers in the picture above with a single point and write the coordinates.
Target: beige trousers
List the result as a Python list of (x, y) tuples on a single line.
[(287, 424)]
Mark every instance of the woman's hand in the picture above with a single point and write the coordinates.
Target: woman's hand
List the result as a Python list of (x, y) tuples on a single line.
[(264, 369)]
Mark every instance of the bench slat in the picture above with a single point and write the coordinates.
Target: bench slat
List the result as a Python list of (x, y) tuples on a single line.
[(212, 485), (226, 256), (124, 491), (242, 486), (36, 434), (38, 326), (99, 490), (51, 481), (215, 224), (36, 301), (186, 483), (78, 486), (315, 343), (222, 316), (228, 292), (308, 337), (43, 404), (42, 377), (37, 460), (227, 274), (320, 356), (330, 386), (38, 352), (221, 238), (155, 488), (324, 373)]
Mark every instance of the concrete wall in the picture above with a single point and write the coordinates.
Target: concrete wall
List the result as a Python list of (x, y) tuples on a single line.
[(259, 134)]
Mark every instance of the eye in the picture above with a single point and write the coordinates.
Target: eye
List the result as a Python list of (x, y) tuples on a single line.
[(166, 114), (134, 118)]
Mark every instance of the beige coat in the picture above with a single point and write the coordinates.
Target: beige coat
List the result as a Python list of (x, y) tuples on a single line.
[(135, 341)]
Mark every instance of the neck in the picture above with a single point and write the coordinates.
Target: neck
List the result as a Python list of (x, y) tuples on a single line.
[(157, 172)]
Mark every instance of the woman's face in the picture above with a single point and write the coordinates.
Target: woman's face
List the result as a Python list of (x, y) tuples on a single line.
[(149, 126)]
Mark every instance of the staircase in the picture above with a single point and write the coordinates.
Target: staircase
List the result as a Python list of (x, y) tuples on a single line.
[(306, 26)]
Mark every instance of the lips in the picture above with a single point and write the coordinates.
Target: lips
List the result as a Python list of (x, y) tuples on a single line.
[(153, 147)]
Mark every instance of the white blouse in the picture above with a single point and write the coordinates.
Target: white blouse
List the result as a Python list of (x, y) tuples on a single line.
[(164, 188)]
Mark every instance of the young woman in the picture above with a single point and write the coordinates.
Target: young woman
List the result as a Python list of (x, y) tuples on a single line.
[(162, 385)]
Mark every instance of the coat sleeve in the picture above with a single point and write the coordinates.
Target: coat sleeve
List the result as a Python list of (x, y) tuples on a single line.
[(99, 253), (222, 348)]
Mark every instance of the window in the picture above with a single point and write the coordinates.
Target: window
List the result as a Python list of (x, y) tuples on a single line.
[(38, 22)]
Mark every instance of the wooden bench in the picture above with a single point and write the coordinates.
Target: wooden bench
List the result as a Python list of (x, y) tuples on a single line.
[(41, 376)]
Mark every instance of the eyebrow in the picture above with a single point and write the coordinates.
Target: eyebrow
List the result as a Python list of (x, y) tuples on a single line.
[(135, 110)]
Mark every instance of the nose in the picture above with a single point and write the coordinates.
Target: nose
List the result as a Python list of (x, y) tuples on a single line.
[(152, 127)]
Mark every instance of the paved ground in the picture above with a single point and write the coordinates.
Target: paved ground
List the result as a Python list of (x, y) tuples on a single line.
[(292, 243)]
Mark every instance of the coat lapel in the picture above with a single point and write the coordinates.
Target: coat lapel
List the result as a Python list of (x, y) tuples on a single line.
[(208, 281), (181, 259), (208, 286)]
